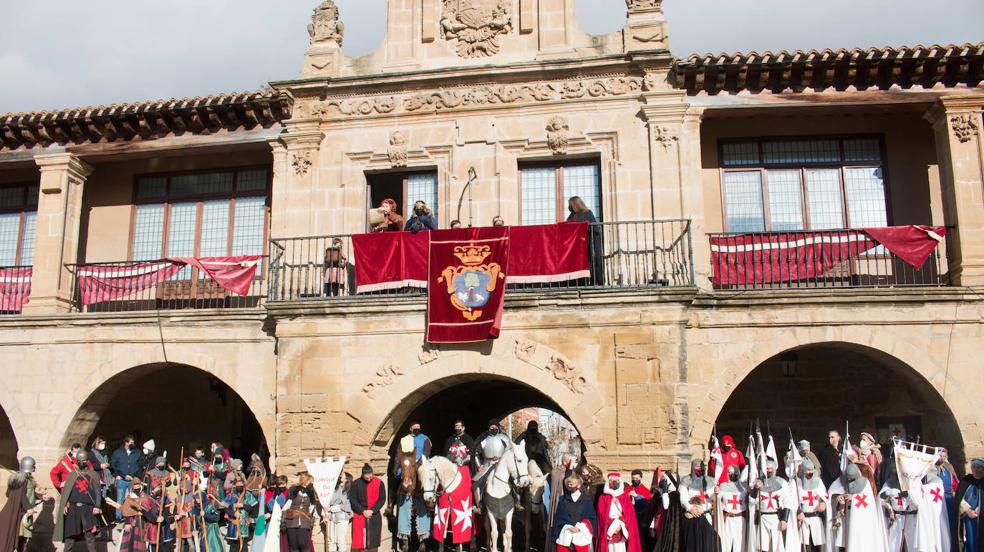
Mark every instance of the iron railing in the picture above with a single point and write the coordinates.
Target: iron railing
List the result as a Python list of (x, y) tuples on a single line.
[(622, 255), (188, 289), (777, 260), (15, 288)]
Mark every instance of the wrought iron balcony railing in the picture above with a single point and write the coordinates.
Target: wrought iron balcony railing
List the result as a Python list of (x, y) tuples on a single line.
[(622, 255), (15, 288)]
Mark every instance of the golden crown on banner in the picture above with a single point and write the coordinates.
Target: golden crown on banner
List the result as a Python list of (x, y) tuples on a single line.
[(472, 255)]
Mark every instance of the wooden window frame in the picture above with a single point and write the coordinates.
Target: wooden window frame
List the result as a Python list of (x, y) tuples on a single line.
[(167, 200), (763, 168), (405, 188), (560, 201), (23, 209)]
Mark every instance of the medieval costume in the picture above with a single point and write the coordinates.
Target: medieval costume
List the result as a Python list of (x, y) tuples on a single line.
[(491, 446), (411, 509), (697, 499), (339, 510), (733, 508), (238, 515), (730, 456), (368, 495), (80, 502), (536, 446), (184, 507), (934, 522), (618, 530), (15, 519), (556, 489), (158, 519), (966, 528), (134, 535), (901, 512), (385, 218), (868, 450), (776, 505), (806, 451), (275, 499), (814, 506), (61, 471), (154, 477), (641, 498), (670, 515), (211, 514), (216, 472), (459, 448), (858, 523), (298, 515), (575, 520), (234, 477)]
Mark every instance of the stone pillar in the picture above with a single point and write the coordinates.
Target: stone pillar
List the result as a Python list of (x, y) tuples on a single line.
[(674, 150), (645, 28), (957, 125), (295, 160), (57, 243)]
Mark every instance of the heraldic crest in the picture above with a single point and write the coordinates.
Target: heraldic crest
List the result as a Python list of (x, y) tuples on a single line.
[(471, 284), (477, 24)]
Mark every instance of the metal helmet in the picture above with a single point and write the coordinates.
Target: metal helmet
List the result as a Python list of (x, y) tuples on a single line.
[(932, 476), (697, 480), (772, 482), (854, 482), (808, 474), (733, 484), (27, 465), (82, 456), (733, 473)]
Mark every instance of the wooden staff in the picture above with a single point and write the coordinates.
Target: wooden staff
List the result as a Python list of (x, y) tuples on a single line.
[(237, 509), (201, 511), (160, 513)]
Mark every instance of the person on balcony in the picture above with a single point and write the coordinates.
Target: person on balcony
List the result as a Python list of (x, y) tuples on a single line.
[(455, 223), (579, 212), (422, 219), (386, 218), (498, 221), (336, 269)]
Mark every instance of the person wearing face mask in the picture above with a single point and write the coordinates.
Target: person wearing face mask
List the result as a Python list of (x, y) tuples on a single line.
[(641, 497), (410, 507), (79, 506), (870, 451), (148, 459), (459, 446), (858, 522), (340, 516), (575, 520), (422, 219), (730, 456), (491, 446), (814, 504), (556, 489), (697, 498), (618, 530), (100, 463), (934, 522), (367, 496), (125, 464), (775, 509), (733, 505), (64, 467)]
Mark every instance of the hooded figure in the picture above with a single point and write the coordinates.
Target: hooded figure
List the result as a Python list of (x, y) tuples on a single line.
[(80, 502), (776, 507), (697, 499), (965, 531), (732, 508), (901, 512), (730, 456), (21, 499), (618, 530), (814, 506), (934, 523), (858, 522)]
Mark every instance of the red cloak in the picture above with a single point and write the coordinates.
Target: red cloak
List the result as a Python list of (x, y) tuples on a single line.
[(628, 517)]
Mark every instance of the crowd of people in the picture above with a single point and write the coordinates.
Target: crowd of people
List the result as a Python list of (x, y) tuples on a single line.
[(843, 497), (387, 218)]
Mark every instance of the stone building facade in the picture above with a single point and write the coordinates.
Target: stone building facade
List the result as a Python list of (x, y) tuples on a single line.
[(670, 150)]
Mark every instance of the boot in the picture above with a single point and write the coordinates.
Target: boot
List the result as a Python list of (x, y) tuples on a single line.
[(404, 545), (422, 547)]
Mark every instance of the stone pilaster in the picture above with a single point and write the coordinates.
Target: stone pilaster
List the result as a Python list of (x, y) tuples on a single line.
[(295, 163), (674, 150), (957, 123), (645, 28), (63, 178)]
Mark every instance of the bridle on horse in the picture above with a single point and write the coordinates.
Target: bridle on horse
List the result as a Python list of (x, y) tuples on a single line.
[(519, 475)]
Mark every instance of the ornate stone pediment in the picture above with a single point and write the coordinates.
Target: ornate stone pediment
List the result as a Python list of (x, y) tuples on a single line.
[(325, 25), (477, 25), (636, 5)]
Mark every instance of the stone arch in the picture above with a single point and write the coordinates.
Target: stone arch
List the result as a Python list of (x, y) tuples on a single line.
[(385, 401), (907, 355), (224, 412)]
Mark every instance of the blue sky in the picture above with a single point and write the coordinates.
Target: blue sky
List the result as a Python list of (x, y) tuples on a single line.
[(66, 53)]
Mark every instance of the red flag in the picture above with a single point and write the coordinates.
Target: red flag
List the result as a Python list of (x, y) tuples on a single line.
[(235, 274), (390, 260), (98, 283), (913, 244), (466, 282)]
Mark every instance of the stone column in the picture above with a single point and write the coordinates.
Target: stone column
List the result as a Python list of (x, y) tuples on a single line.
[(674, 149), (295, 160), (57, 243), (957, 124)]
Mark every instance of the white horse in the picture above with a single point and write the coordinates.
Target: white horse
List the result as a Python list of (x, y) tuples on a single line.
[(439, 474), (514, 466)]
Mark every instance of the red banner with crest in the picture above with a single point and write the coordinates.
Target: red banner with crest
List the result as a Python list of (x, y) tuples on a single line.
[(466, 282)]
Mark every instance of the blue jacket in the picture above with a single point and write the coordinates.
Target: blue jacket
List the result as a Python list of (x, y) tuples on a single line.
[(124, 464), (423, 222)]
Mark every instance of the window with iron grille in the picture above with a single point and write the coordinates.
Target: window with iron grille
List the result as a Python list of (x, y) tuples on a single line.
[(18, 221), (803, 184), (201, 214), (545, 189)]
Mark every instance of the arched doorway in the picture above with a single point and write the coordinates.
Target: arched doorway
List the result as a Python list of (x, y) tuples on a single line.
[(815, 388), (8, 443), (175, 405)]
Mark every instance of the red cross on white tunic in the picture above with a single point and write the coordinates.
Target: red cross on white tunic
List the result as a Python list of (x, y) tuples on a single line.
[(861, 501), (771, 499), (899, 500), (936, 495), (734, 502), (811, 498), (703, 497)]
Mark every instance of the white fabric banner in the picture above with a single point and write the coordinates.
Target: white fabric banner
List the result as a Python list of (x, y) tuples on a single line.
[(325, 472)]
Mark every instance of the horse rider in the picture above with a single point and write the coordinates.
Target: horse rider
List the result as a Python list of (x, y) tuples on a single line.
[(491, 446)]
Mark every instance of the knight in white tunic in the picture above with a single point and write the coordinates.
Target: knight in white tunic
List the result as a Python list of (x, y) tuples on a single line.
[(858, 519), (901, 512), (774, 510), (814, 504), (733, 506), (933, 518)]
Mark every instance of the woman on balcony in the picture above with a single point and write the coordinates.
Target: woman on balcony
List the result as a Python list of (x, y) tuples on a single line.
[(596, 252)]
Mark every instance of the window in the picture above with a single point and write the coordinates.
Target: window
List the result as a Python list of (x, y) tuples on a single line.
[(545, 189), (405, 189), (815, 184), (18, 221), (206, 214)]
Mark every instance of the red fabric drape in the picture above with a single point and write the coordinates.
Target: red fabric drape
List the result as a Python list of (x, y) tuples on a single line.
[(15, 288), (466, 284), (390, 260), (913, 244), (454, 511), (235, 274), (548, 253), (98, 283)]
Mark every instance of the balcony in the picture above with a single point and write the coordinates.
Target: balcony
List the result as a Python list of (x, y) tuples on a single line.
[(15, 288), (841, 258), (623, 255), (141, 286)]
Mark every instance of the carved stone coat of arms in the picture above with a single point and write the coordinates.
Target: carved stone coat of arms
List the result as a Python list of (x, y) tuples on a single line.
[(477, 25)]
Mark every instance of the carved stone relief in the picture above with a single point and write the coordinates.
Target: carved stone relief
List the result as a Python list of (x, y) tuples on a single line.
[(636, 5), (385, 377), (325, 24), (477, 25), (964, 126), (561, 368), (302, 162), (665, 137), (397, 150), (557, 139)]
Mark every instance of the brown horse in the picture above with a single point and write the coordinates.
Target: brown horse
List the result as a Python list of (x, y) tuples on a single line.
[(407, 471)]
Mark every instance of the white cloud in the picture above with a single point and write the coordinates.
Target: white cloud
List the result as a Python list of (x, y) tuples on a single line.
[(63, 53)]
